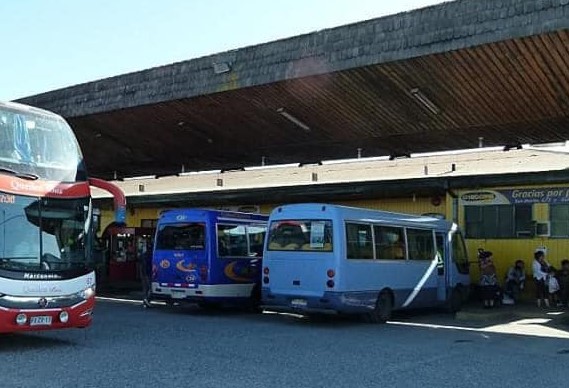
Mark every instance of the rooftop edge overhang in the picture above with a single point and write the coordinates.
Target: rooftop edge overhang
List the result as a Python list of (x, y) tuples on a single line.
[(348, 191), (441, 28)]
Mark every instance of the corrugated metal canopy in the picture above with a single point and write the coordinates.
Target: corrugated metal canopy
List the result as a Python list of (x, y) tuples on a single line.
[(507, 92)]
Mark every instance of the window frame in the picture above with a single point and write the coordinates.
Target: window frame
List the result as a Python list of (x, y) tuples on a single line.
[(328, 222), (403, 234), (250, 254), (487, 228), (553, 222), (359, 223), (433, 242)]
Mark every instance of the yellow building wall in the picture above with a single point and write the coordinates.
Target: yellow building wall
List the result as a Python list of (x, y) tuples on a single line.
[(411, 205), (417, 205), (134, 217), (506, 251)]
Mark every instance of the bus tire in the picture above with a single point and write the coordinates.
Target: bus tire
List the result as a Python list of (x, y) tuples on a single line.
[(254, 304), (383, 308), (454, 303), (209, 306)]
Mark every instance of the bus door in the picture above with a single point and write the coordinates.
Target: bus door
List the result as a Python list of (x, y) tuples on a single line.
[(441, 266)]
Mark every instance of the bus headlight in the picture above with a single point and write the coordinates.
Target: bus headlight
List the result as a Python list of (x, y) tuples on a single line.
[(87, 293), (21, 319), (63, 317)]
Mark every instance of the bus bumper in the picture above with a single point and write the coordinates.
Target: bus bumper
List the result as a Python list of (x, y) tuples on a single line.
[(327, 303), (202, 292), (21, 320)]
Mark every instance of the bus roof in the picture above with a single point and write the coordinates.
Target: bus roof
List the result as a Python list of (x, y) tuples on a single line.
[(189, 214), (28, 108), (359, 214)]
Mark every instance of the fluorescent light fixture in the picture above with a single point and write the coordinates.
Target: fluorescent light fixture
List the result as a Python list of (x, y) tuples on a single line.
[(356, 160), (137, 178), (455, 152), (424, 100), (271, 166), (221, 67), (200, 172), (293, 119)]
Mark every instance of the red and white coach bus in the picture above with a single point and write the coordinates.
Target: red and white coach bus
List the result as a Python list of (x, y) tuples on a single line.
[(47, 279)]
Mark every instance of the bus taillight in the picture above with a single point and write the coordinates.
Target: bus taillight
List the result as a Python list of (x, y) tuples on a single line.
[(331, 273), (266, 277), (330, 283)]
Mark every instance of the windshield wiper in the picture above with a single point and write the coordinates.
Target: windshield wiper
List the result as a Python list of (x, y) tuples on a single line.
[(23, 175)]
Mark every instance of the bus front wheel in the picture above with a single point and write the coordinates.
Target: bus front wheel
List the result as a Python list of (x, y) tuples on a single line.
[(454, 303), (383, 308)]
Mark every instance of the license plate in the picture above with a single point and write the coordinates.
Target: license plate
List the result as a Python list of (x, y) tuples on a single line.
[(298, 303), (178, 294), (43, 320)]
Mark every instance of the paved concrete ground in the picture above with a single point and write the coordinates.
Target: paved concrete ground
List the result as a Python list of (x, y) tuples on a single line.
[(185, 347)]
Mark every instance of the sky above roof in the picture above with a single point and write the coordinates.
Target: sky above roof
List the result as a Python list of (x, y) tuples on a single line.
[(51, 45)]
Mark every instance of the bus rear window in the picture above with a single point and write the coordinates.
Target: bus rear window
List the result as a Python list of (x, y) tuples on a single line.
[(300, 235), (189, 236)]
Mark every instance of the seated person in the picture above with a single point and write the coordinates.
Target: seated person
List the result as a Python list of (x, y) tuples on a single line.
[(515, 282)]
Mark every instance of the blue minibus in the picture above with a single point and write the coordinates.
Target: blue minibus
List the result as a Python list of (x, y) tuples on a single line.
[(207, 257), (322, 258)]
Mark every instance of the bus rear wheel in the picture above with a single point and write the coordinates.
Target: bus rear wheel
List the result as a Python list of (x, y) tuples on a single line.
[(209, 306), (383, 308)]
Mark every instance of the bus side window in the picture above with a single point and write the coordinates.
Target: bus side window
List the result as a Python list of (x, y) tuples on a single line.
[(222, 243), (421, 244), (256, 235), (389, 243), (359, 241)]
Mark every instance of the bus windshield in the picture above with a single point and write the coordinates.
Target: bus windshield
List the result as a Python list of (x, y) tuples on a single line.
[(300, 235), (38, 144), (187, 236), (43, 234)]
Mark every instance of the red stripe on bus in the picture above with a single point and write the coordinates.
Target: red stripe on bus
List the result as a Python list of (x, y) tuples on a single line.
[(15, 185)]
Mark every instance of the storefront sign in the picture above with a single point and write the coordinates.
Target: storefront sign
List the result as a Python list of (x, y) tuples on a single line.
[(515, 196)]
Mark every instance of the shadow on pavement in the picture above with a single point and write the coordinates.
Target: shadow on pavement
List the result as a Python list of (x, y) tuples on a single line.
[(29, 342)]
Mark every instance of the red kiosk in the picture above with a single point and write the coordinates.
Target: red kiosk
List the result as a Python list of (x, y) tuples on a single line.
[(125, 247)]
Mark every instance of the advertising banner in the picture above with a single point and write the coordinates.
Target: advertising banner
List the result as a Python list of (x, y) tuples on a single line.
[(551, 195)]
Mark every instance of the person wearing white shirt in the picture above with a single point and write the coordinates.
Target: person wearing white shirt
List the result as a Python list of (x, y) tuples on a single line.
[(552, 287)]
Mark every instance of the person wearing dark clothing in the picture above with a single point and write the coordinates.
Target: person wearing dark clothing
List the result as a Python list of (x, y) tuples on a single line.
[(488, 280), (563, 279), (145, 272), (515, 281)]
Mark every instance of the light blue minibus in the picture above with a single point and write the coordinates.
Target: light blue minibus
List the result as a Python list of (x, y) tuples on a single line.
[(322, 258)]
